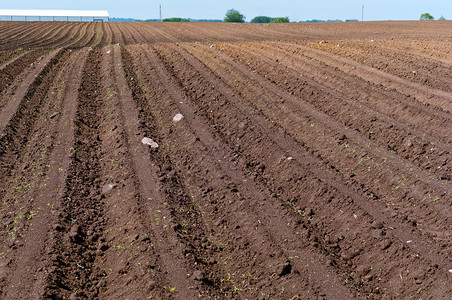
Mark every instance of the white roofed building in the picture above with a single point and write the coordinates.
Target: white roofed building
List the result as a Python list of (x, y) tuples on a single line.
[(54, 15)]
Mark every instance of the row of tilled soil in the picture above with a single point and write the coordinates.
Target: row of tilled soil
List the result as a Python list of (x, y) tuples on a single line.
[(34, 35), (438, 49), (366, 157), (428, 75), (246, 237), (272, 170), (32, 162), (268, 162)]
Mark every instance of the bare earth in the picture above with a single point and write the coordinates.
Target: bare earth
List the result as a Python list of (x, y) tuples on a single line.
[(312, 161)]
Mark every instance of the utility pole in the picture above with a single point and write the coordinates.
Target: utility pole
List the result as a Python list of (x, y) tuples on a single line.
[(362, 14), (161, 13)]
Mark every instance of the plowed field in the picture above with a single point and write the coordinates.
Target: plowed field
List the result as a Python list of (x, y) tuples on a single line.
[(213, 161)]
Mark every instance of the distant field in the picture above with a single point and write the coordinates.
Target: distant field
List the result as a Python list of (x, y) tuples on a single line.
[(75, 35), (312, 161)]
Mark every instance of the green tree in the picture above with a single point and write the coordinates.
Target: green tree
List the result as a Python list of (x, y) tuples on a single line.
[(442, 18), (234, 16), (176, 20), (427, 16), (261, 19), (281, 20)]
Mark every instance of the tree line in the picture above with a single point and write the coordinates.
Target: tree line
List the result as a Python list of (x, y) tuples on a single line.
[(234, 16)]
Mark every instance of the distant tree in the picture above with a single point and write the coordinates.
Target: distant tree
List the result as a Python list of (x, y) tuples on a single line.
[(352, 20), (234, 16), (113, 19), (206, 20), (427, 16), (320, 21), (175, 20), (280, 20), (442, 18), (313, 21), (261, 19)]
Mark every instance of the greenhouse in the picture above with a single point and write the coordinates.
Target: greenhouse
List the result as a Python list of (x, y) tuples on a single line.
[(54, 15)]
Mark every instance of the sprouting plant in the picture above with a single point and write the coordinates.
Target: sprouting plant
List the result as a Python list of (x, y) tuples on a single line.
[(30, 215)]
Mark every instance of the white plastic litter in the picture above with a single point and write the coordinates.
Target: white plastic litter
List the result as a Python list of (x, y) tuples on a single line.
[(108, 52), (178, 117), (149, 142), (108, 187)]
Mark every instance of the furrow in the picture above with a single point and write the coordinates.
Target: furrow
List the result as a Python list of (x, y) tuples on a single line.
[(43, 40), (385, 135), (228, 196), (438, 50), (30, 35), (147, 35), (399, 177), (98, 35), (13, 34), (16, 80), (154, 197), (80, 220), (17, 120), (162, 35), (75, 42), (37, 182), (58, 38), (136, 34), (269, 136), (108, 34), (417, 69), (8, 57), (21, 65), (425, 94), (129, 38), (125, 251), (392, 105), (89, 37), (118, 35)]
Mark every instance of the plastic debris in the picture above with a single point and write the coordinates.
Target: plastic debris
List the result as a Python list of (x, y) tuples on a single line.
[(149, 142), (108, 187), (178, 117)]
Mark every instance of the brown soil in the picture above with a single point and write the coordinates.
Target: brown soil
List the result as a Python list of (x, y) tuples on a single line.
[(311, 162)]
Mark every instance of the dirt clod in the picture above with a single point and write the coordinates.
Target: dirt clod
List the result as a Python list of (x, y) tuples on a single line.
[(283, 269), (199, 275)]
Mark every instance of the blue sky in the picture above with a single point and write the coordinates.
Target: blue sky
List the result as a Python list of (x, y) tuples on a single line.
[(295, 10)]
